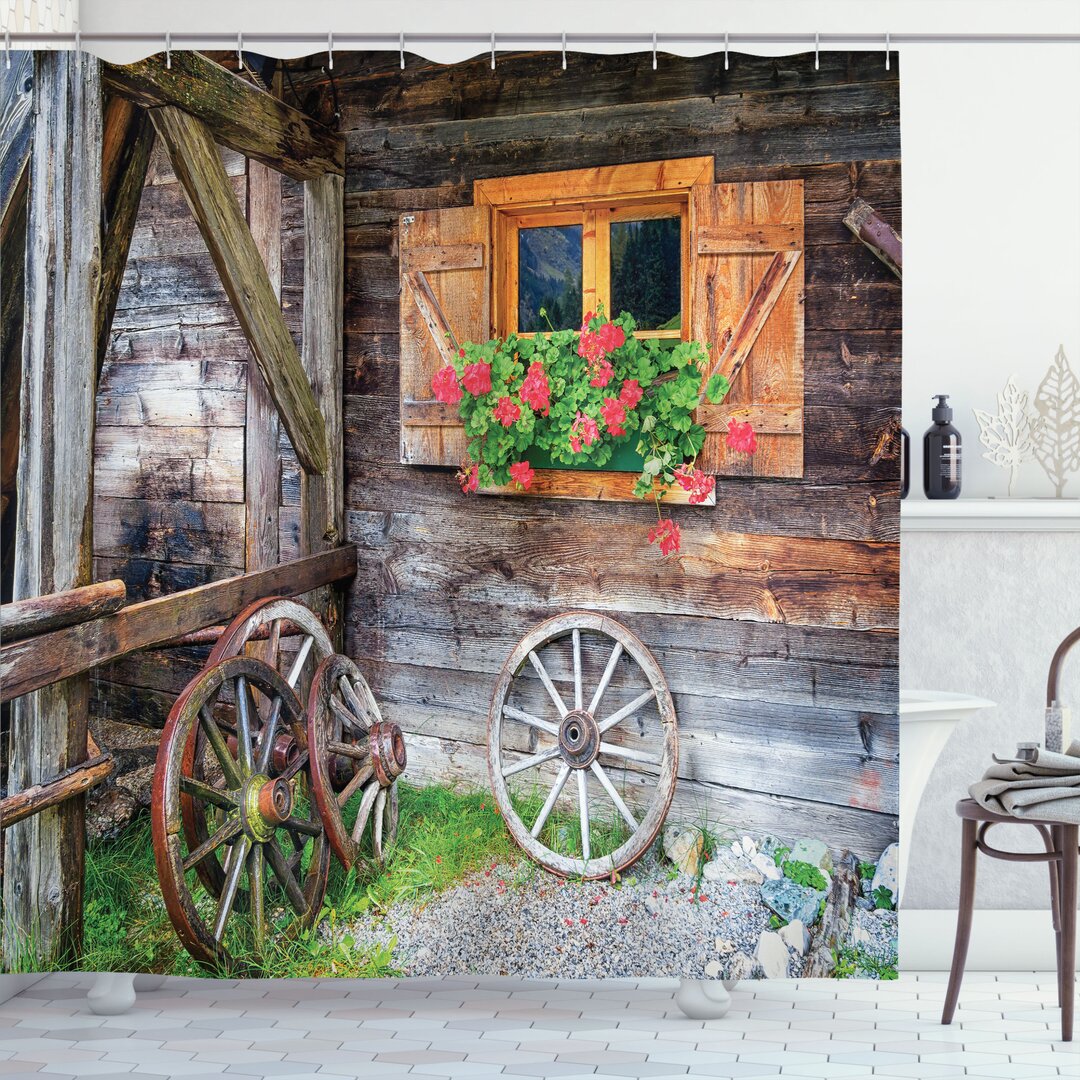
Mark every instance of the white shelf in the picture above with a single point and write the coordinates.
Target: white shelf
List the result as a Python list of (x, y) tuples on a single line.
[(990, 515)]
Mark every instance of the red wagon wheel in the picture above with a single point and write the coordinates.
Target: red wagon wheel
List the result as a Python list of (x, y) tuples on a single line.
[(293, 641), (270, 839), (356, 758), (614, 728)]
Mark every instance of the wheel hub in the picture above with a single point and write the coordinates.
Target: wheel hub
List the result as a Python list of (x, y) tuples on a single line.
[(266, 805), (579, 739), (388, 755)]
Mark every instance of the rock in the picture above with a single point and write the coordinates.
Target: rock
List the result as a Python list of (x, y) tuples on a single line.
[(723, 946), (652, 905), (748, 846), (770, 845), (791, 901), (861, 936), (684, 847), (740, 966), (772, 955), (736, 850), (767, 866), (863, 904), (110, 812), (814, 852), (713, 970), (795, 936), (725, 867), (885, 874)]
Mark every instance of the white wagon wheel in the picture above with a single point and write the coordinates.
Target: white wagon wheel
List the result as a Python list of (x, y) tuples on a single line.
[(291, 639), (534, 732)]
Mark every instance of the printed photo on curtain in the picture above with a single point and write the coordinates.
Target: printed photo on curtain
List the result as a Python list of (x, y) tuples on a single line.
[(451, 515)]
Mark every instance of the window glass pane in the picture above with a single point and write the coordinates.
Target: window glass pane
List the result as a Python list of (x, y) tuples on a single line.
[(549, 277), (646, 272)]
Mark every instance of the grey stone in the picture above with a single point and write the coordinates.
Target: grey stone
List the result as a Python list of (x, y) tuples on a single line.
[(770, 845), (740, 966), (766, 865), (795, 936), (684, 847), (725, 867), (885, 874), (814, 852), (772, 955), (791, 901)]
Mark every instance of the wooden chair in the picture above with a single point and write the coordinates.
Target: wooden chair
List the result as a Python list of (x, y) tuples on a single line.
[(1060, 842)]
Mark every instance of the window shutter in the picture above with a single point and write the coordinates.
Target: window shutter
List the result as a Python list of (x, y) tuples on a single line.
[(445, 288), (747, 305)]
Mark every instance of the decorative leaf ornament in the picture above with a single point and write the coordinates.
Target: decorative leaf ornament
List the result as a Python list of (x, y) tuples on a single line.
[(1010, 436), (1057, 441)]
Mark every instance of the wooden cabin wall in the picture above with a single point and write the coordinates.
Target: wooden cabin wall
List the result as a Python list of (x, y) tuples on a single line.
[(777, 628)]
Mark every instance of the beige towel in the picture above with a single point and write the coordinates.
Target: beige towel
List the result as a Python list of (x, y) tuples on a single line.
[(1046, 788)]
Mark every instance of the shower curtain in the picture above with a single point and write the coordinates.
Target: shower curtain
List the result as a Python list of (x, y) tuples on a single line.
[(586, 370)]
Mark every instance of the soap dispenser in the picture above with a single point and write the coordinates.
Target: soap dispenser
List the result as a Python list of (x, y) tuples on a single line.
[(941, 454)]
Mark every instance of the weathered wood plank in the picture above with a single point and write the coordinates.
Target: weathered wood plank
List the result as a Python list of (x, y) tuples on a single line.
[(180, 393), (243, 274), (877, 234), (40, 614), (169, 530), (70, 783), (43, 856), (25, 667), (242, 117), (16, 122), (149, 578), (128, 143)]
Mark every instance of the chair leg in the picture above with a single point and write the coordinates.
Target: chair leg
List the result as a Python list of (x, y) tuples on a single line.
[(968, 854), (1070, 836), (1055, 847)]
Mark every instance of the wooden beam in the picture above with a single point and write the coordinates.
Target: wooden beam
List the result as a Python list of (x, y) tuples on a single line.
[(431, 312), (72, 782), (29, 665), (43, 856), (242, 117), (322, 498), (877, 234), (128, 142), (749, 239), (197, 164), (42, 614)]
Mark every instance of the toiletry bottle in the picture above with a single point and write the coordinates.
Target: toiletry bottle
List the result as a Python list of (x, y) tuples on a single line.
[(941, 454), (905, 463)]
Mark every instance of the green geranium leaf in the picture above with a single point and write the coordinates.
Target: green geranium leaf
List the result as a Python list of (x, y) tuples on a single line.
[(716, 388)]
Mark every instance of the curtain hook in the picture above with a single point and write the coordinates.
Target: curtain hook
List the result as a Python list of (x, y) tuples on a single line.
[(401, 46), (888, 62), (168, 51), (240, 50), (654, 50), (725, 50), (564, 50), (817, 52), (330, 50), (492, 50)]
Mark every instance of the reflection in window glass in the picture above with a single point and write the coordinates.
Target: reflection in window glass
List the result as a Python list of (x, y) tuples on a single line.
[(646, 272), (549, 277)]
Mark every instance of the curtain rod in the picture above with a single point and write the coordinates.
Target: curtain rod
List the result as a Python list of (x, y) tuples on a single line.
[(555, 40)]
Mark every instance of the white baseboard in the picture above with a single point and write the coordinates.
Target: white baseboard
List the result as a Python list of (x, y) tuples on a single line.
[(10, 985), (1000, 940)]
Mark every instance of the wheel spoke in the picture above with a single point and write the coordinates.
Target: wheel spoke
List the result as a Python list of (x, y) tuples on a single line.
[(347, 718), (361, 777), (354, 702), (295, 767), (549, 686), (577, 668), (266, 739), (257, 896), (227, 831), (214, 796), (274, 648), (278, 863), (377, 826), (606, 677), (220, 747), (532, 721), (630, 755), (245, 710), (363, 813), (531, 762), (625, 711), (232, 883), (302, 825), (616, 798), (349, 750), (298, 663), (583, 804), (549, 805)]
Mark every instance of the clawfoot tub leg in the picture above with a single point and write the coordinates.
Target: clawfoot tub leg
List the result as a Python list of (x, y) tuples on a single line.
[(111, 994), (701, 999)]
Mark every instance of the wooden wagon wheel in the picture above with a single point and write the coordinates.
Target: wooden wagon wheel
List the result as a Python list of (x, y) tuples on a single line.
[(262, 627), (270, 836), (613, 731), (356, 758)]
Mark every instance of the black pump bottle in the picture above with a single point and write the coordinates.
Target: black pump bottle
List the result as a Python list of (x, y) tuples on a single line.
[(941, 454)]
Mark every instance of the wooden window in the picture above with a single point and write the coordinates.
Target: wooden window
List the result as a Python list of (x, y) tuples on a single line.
[(724, 267)]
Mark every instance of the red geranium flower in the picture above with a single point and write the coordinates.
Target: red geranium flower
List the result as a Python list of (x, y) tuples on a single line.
[(583, 430), (445, 385), (522, 473), (614, 413), (611, 337), (506, 412), (469, 477), (631, 393), (741, 437), (666, 533), (601, 372), (477, 379), (461, 353), (696, 482), (535, 390)]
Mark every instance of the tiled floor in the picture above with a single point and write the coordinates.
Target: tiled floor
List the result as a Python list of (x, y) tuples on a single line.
[(1007, 1026)]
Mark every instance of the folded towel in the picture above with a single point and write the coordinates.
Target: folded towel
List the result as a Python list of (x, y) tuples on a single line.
[(1046, 787)]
